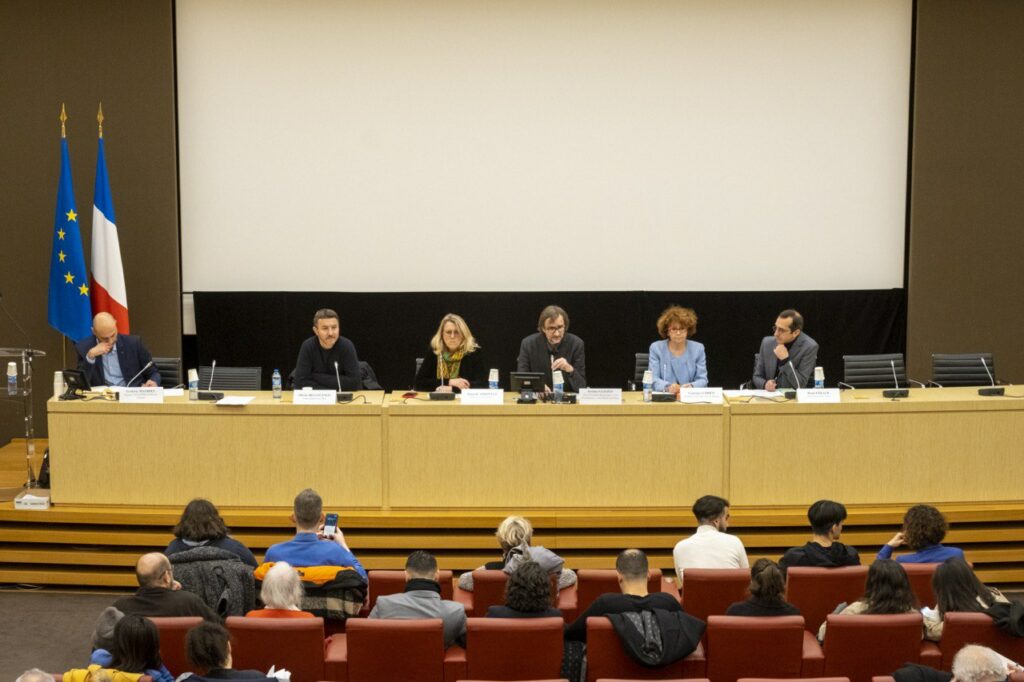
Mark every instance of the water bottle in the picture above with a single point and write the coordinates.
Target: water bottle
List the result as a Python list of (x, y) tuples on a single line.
[(819, 377), (12, 378), (492, 379), (275, 383), (559, 386), (193, 385), (648, 385)]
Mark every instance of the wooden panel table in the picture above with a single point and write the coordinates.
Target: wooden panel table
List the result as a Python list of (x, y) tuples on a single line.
[(444, 454), (939, 445), (260, 454)]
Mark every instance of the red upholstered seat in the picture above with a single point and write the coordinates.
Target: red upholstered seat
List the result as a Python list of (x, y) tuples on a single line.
[(743, 646), (296, 644), (591, 583), (806, 679), (710, 591), (172, 642), (817, 591), (860, 647), (920, 576), (606, 659), (514, 648), (394, 651), (560, 679), (393, 582), (696, 679), (976, 628), (489, 590)]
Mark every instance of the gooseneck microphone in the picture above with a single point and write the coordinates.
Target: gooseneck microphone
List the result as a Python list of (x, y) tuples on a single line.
[(992, 390), (148, 365), (209, 393), (843, 384), (895, 392), (343, 397), (337, 375), (213, 370)]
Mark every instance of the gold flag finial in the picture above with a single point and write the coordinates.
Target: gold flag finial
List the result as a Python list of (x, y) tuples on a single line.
[(63, 118), (99, 119)]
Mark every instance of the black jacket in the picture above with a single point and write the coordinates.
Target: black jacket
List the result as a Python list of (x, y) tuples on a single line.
[(472, 367), (813, 554), (756, 607), (663, 637)]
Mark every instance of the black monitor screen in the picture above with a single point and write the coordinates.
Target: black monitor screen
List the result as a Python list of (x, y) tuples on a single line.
[(527, 381)]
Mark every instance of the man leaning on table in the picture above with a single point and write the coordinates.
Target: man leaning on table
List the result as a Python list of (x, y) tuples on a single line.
[(787, 358), (111, 359), (319, 354)]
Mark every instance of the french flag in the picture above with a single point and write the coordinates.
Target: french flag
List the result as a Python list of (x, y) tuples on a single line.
[(108, 291)]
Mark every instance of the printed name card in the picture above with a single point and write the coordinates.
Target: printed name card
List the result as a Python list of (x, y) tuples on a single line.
[(711, 396), (482, 396), (817, 395), (142, 394), (308, 396), (599, 396)]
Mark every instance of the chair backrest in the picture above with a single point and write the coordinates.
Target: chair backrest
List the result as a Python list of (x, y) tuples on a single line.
[(607, 659), (368, 377), (920, 576), (514, 648), (874, 371), (862, 646), (641, 365), (742, 646), (591, 583), (710, 591), (170, 371), (393, 582), (962, 369), (232, 379), (296, 644), (817, 591), (172, 642), (488, 590), (395, 650), (976, 628), (804, 679)]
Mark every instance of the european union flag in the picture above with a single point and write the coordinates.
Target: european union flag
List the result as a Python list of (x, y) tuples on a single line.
[(69, 311)]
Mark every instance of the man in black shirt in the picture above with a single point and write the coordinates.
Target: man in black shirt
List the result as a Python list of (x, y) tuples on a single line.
[(328, 360), (160, 595), (824, 549), (631, 565)]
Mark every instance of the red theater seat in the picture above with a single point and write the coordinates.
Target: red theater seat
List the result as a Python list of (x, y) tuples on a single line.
[(609, 679), (777, 647), (172, 642), (806, 679), (394, 651), (860, 647), (710, 591), (393, 582), (296, 644), (606, 659), (817, 591), (591, 583), (489, 590), (976, 628), (514, 648), (920, 576)]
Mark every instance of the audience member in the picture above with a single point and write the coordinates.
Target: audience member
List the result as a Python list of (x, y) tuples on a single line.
[(136, 649), (308, 548), (208, 647), (767, 593), (422, 599), (527, 594), (35, 675), (159, 594), (957, 588), (975, 663), (202, 526), (710, 547), (281, 594), (824, 549), (514, 536), (887, 591), (924, 528)]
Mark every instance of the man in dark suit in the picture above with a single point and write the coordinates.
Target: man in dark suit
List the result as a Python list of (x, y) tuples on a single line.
[(787, 358), (551, 348), (111, 359)]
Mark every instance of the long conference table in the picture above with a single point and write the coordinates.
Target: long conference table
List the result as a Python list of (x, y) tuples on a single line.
[(385, 452)]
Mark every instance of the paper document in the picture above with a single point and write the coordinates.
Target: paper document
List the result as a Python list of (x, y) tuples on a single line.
[(174, 392), (752, 393), (235, 400)]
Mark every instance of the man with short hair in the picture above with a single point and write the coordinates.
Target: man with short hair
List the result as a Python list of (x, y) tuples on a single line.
[(710, 547), (422, 599), (308, 547), (824, 549), (787, 358), (552, 348), (111, 359), (159, 594), (327, 360)]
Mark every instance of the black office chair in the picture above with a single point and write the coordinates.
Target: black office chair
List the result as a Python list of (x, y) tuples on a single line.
[(875, 371), (232, 379), (368, 377), (419, 363), (963, 369), (170, 371), (642, 363)]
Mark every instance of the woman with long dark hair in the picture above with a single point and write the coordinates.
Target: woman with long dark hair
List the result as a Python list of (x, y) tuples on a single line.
[(957, 588), (202, 526), (767, 593), (887, 591), (135, 649)]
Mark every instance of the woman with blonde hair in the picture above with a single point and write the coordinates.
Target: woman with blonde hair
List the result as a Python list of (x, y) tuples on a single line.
[(514, 535), (456, 364), (677, 361)]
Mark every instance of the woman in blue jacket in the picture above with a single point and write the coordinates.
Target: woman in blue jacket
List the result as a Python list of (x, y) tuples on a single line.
[(677, 361)]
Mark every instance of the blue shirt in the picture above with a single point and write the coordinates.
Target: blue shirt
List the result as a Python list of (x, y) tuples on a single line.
[(307, 550), (935, 554), (689, 368), (111, 367)]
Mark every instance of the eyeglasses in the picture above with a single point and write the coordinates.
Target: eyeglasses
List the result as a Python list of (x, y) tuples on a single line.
[(676, 330), (776, 329), (559, 328), (452, 332)]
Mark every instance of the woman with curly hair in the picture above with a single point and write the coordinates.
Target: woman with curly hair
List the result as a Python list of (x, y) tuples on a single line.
[(202, 526), (527, 594), (887, 591), (957, 589), (924, 528)]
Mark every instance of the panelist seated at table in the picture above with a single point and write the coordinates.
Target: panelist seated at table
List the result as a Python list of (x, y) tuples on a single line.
[(677, 361), (787, 358), (112, 359), (319, 354), (455, 364), (551, 348)]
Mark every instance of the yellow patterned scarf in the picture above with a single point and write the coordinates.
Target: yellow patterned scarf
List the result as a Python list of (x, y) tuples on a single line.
[(448, 364)]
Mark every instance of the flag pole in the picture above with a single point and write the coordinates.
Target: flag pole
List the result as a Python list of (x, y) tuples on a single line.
[(63, 134), (99, 119)]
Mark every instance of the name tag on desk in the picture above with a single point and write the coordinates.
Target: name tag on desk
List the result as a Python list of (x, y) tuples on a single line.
[(817, 395), (482, 396), (705, 396), (599, 396), (142, 394), (308, 396)]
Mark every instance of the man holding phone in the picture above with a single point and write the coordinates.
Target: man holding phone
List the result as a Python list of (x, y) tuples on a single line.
[(316, 543)]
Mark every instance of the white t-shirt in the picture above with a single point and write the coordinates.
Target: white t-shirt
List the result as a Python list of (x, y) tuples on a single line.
[(709, 548)]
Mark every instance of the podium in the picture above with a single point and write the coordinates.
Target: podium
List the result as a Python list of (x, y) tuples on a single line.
[(26, 355)]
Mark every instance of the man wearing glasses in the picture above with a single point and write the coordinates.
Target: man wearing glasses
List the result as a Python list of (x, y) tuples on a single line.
[(787, 358), (554, 348)]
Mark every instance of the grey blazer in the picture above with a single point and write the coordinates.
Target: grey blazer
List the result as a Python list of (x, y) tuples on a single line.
[(803, 355), (534, 356), (422, 604)]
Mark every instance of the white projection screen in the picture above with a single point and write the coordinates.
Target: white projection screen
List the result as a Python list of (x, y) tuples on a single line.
[(529, 145)]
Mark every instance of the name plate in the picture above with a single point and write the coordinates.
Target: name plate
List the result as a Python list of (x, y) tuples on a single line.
[(482, 396), (142, 394), (817, 395), (599, 396), (712, 396), (308, 396)]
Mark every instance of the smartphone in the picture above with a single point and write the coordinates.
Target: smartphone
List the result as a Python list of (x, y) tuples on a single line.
[(330, 525)]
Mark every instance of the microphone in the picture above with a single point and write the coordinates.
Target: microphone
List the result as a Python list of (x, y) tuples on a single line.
[(843, 384), (915, 381), (342, 397), (28, 344), (213, 370), (148, 365), (209, 393), (790, 395), (895, 392), (993, 389)]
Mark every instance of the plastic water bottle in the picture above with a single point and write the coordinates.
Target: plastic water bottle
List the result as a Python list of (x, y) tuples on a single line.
[(559, 386), (492, 379), (819, 377), (12, 378), (193, 385), (648, 385), (275, 383)]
